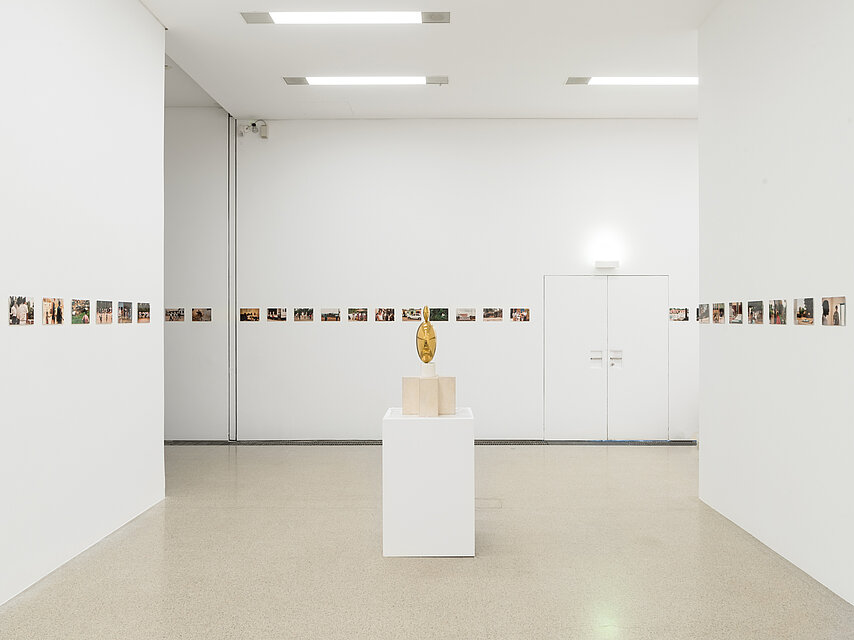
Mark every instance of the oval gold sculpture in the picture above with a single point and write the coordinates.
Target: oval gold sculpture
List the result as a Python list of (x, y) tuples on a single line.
[(425, 338)]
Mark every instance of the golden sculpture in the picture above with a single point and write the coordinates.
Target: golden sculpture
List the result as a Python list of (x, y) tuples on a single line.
[(425, 338)]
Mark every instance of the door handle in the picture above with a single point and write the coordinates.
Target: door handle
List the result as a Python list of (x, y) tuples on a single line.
[(595, 359), (616, 358)]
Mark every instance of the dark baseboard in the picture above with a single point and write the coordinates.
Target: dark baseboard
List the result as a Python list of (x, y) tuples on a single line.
[(356, 443)]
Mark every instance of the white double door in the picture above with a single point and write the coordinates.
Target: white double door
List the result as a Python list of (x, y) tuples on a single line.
[(606, 358)]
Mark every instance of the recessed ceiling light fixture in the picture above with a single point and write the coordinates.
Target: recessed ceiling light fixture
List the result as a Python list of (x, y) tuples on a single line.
[(634, 81), (364, 80), (347, 17)]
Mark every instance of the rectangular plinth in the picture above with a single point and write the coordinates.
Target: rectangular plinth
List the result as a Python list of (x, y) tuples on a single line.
[(428, 484)]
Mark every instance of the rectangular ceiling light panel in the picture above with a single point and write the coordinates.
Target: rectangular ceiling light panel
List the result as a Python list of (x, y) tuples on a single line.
[(359, 17), (364, 80), (643, 82)]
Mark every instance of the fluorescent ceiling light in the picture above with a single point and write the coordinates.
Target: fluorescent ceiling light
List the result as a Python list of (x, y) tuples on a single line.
[(635, 81), (347, 17), (365, 80)]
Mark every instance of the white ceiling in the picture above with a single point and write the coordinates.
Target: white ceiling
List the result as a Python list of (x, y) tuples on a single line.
[(504, 59)]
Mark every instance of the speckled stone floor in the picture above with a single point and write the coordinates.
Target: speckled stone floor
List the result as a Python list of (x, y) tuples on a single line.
[(572, 542)]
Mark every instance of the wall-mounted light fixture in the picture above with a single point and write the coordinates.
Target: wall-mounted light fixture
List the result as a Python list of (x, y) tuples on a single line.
[(605, 250)]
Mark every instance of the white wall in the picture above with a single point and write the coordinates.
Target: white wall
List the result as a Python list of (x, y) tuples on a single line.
[(196, 269), (452, 213), (82, 217), (776, 162)]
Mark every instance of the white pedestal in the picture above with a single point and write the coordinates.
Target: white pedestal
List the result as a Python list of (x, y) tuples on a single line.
[(428, 484)]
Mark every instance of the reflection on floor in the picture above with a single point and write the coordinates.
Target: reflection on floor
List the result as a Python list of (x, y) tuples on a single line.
[(572, 542)]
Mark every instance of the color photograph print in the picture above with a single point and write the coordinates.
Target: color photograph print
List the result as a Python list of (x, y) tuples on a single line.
[(833, 311), (330, 315), (384, 315), (777, 312), (304, 314), (755, 312), (124, 312), (466, 314), (143, 312), (736, 313), (174, 315), (522, 314), (804, 313), (51, 310), (250, 314), (104, 312), (493, 314), (439, 314), (276, 315), (718, 312), (703, 314), (678, 314), (79, 312), (357, 314), (201, 314), (410, 314), (21, 310)]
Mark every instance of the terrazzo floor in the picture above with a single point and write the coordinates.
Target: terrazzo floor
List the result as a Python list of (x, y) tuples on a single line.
[(272, 542)]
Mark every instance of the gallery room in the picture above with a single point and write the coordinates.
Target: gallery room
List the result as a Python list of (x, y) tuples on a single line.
[(348, 319)]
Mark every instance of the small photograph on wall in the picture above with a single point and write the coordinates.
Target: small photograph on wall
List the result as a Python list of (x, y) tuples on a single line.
[(384, 314), (718, 312), (174, 315), (125, 312), (201, 314), (304, 314), (466, 314), (833, 311), (703, 314), (755, 312), (104, 312), (51, 310), (250, 314), (22, 310), (736, 313), (143, 312), (804, 313), (439, 314), (410, 314), (520, 314), (276, 315), (777, 312), (80, 312), (330, 315), (357, 314), (492, 314), (678, 314)]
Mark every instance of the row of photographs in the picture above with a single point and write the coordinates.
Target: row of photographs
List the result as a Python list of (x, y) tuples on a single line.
[(356, 314), (22, 311), (833, 312)]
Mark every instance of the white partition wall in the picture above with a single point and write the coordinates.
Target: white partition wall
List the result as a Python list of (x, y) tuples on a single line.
[(776, 161), (448, 213), (82, 217), (196, 272)]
